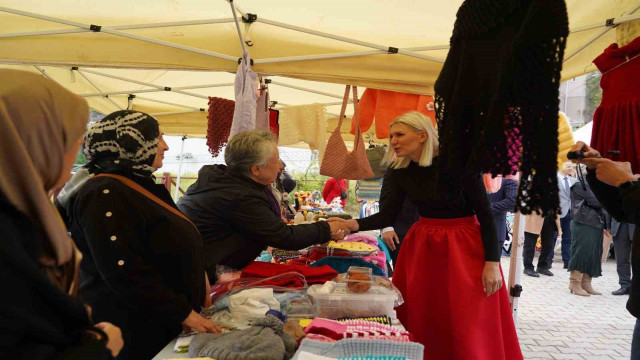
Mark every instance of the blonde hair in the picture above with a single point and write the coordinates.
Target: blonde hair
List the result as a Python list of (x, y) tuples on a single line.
[(418, 122)]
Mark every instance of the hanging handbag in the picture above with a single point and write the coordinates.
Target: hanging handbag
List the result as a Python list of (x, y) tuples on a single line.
[(338, 162)]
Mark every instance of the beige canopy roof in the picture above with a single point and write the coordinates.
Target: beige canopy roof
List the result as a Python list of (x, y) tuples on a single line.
[(192, 47)]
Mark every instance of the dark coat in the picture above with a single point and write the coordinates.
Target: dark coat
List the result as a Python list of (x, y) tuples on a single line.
[(585, 208), (501, 202), (624, 206), (37, 320), (143, 267), (237, 222)]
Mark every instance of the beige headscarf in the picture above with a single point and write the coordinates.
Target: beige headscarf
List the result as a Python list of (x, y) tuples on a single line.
[(39, 122)]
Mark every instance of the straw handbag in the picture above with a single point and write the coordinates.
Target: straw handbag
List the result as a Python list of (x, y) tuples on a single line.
[(338, 162)]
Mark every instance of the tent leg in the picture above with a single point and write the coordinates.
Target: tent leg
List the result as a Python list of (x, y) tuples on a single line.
[(515, 267), (177, 190)]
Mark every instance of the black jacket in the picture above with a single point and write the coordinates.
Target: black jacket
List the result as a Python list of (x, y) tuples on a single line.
[(624, 206), (585, 208), (501, 202), (37, 320), (143, 267), (237, 222)]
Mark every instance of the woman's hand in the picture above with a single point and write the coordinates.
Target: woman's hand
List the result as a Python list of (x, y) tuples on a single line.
[(198, 323), (114, 337), (491, 277), (351, 224), (391, 239)]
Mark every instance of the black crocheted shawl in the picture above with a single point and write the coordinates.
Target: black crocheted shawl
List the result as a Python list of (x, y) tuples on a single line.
[(497, 96)]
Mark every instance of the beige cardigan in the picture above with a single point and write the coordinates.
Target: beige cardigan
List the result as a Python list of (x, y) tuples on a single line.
[(533, 224)]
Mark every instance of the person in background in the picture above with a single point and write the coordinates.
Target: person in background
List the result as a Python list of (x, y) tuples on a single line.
[(449, 268), (588, 222), (566, 179), (622, 233), (143, 268), (42, 125), (334, 188), (501, 202), (288, 185), (547, 229), (394, 235), (236, 211)]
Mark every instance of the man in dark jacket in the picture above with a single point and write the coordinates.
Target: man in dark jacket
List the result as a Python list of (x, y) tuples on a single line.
[(618, 190), (236, 212), (501, 202)]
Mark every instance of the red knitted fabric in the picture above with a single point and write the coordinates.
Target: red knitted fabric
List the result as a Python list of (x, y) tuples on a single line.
[(219, 121), (615, 122), (317, 275), (274, 125)]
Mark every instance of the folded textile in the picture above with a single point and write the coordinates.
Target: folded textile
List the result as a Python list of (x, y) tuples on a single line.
[(252, 304), (342, 264), (362, 238), (349, 348), (337, 330), (382, 319), (264, 340), (332, 329), (313, 275)]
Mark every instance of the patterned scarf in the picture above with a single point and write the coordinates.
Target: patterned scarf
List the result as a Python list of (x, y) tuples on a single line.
[(124, 140)]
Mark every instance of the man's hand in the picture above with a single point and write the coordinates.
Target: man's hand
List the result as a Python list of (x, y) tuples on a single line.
[(587, 152), (200, 324), (351, 225), (610, 172), (391, 239), (114, 337)]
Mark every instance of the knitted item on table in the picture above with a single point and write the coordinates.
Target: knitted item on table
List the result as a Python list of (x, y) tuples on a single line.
[(264, 340), (313, 275), (355, 329), (382, 319), (360, 347), (219, 119), (353, 247), (513, 51), (362, 238), (342, 264)]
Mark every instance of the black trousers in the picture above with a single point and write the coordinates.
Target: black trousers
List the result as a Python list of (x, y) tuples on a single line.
[(548, 236), (622, 247)]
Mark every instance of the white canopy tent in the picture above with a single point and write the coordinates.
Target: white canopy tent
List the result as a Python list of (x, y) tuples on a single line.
[(173, 55)]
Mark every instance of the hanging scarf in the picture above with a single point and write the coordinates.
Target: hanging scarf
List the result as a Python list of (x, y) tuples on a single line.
[(497, 96), (126, 140)]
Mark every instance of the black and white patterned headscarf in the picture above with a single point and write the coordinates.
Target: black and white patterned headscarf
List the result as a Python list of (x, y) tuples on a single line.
[(124, 139)]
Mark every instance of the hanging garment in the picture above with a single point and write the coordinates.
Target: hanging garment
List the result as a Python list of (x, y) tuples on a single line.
[(219, 121), (274, 122), (615, 122), (246, 90), (565, 139), (369, 189), (497, 93), (303, 123), (262, 111), (340, 163), (384, 106)]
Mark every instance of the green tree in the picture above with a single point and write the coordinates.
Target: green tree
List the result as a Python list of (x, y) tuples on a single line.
[(594, 95)]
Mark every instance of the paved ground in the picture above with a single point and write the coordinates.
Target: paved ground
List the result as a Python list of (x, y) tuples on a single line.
[(554, 324)]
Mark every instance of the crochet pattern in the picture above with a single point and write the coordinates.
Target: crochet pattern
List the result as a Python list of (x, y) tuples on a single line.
[(497, 96), (219, 121)]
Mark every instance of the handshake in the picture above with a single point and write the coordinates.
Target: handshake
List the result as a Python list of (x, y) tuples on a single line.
[(340, 228), (607, 171)]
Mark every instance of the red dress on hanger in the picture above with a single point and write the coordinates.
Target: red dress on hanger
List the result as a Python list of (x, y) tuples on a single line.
[(616, 122)]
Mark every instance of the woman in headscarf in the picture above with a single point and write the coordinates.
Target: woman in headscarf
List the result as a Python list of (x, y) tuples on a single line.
[(144, 265), (42, 125)]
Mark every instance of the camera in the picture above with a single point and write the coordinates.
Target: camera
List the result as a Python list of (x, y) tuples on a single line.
[(575, 155)]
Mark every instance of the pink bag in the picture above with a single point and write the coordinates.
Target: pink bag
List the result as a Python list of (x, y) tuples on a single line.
[(338, 162)]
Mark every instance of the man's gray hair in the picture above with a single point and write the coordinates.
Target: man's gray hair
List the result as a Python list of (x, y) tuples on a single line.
[(249, 148)]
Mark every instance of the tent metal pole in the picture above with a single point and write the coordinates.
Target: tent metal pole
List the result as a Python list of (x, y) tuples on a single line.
[(515, 264), (126, 92), (168, 103), (427, 48), (616, 21), (130, 102), (237, 8), (97, 88), (235, 19), (175, 194), (600, 34), (176, 112), (319, 57), (119, 33), (339, 38), (119, 27), (307, 90), (163, 88)]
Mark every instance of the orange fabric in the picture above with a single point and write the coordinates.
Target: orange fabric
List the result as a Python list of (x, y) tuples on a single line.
[(384, 106)]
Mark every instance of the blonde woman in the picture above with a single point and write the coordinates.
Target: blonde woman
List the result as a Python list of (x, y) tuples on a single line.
[(448, 268)]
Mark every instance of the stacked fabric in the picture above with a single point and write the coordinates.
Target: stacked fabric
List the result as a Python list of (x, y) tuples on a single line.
[(331, 331), (360, 348), (313, 275)]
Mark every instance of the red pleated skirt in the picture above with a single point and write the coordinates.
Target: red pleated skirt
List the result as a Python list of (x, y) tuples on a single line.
[(439, 272)]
